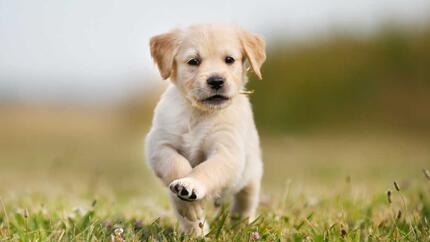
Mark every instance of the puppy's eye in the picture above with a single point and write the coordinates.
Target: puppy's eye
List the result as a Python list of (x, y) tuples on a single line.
[(193, 62), (229, 60)]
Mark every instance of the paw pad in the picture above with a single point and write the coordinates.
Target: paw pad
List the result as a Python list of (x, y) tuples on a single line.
[(187, 189)]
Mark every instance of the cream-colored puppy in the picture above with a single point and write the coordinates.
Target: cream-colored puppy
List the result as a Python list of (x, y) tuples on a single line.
[(203, 142)]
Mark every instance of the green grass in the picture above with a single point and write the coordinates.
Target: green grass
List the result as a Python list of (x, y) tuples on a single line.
[(90, 185), (345, 214)]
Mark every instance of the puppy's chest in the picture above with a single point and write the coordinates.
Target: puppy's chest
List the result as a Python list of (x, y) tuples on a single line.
[(192, 142)]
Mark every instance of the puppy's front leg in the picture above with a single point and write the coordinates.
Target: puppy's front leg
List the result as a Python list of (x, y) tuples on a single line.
[(191, 216), (220, 171), (167, 163)]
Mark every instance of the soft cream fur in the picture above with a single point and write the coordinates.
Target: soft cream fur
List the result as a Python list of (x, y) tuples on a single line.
[(203, 150)]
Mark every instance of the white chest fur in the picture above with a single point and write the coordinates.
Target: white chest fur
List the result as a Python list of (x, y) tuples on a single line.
[(193, 140)]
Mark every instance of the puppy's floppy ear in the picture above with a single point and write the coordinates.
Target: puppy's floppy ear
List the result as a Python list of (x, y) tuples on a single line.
[(164, 48), (254, 47)]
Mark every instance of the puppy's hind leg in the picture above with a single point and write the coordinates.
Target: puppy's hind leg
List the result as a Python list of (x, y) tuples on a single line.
[(191, 216), (245, 202)]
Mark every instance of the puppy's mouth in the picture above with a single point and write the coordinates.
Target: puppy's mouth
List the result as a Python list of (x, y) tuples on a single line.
[(216, 99)]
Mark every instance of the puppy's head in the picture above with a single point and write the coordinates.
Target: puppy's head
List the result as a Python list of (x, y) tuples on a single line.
[(208, 62)]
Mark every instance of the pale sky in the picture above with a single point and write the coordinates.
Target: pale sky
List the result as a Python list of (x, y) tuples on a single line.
[(98, 50)]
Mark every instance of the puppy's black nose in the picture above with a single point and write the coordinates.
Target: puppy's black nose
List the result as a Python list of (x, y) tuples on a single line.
[(215, 82)]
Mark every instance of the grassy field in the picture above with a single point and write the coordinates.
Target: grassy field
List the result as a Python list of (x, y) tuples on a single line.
[(73, 175)]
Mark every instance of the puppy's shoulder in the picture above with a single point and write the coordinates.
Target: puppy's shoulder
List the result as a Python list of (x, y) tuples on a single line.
[(171, 108)]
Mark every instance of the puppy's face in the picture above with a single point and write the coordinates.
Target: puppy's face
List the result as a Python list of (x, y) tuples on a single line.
[(208, 62)]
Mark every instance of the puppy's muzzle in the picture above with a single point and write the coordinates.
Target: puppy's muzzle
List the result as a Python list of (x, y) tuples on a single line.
[(215, 82)]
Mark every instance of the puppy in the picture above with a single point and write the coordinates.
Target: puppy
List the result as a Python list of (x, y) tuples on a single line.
[(203, 142)]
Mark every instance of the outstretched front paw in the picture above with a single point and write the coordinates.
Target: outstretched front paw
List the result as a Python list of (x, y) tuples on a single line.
[(188, 189)]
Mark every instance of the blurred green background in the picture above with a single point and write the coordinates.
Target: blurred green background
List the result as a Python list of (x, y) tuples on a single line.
[(341, 108), (381, 81), (345, 93)]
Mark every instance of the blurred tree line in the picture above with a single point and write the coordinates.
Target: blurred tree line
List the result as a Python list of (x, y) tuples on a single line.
[(381, 80)]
